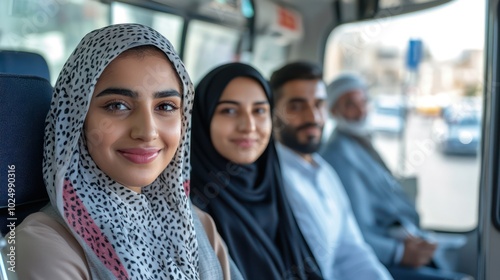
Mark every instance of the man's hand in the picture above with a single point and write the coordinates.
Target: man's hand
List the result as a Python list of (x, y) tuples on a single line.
[(417, 252)]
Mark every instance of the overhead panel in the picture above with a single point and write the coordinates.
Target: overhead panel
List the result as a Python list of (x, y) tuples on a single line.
[(228, 12), (282, 23), (223, 10)]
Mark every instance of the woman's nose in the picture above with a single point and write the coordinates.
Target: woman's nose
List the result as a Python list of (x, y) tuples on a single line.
[(144, 126), (246, 122)]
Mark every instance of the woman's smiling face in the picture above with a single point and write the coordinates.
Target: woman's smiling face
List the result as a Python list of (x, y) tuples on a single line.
[(241, 124), (133, 126)]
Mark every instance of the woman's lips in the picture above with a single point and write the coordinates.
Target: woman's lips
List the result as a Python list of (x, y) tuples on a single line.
[(244, 143), (140, 156)]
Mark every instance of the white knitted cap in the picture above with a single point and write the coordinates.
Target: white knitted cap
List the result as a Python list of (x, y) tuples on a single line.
[(342, 84)]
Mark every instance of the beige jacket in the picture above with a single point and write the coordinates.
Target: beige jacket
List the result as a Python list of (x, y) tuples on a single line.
[(45, 249)]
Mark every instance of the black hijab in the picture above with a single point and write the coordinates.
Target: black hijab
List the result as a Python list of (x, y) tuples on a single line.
[(246, 202)]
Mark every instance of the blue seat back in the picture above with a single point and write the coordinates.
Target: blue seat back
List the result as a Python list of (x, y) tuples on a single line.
[(23, 63), (25, 102)]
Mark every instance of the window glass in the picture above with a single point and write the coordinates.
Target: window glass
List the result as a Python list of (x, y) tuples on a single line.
[(168, 25), (269, 54), (49, 27), (443, 97), (209, 45)]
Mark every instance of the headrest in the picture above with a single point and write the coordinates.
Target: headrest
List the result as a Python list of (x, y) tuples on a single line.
[(25, 101), (23, 63)]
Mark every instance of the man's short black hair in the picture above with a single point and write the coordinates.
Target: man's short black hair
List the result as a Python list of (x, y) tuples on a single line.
[(301, 70)]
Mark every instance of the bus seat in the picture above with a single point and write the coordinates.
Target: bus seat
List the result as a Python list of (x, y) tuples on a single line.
[(24, 63), (26, 101)]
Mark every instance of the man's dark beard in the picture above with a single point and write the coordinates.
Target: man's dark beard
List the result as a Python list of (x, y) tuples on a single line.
[(289, 137)]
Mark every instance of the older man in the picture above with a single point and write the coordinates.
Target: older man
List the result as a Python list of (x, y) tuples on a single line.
[(387, 218)]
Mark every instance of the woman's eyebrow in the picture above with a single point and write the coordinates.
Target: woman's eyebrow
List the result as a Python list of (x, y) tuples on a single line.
[(119, 91), (167, 93), (134, 94), (228, 102), (263, 102)]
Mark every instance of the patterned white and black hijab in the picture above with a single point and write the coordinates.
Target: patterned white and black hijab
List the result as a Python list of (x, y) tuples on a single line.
[(125, 235)]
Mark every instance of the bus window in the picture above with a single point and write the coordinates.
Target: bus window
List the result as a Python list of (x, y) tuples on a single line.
[(277, 28), (269, 54), (167, 24), (209, 45), (442, 131), (51, 28)]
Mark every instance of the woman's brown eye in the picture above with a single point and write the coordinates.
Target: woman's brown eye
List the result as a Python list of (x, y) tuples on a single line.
[(228, 111), (167, 107), (115, 106), (260, 110)]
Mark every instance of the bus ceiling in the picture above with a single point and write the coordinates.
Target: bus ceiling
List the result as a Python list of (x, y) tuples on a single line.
[(302, 26), (344, 10)]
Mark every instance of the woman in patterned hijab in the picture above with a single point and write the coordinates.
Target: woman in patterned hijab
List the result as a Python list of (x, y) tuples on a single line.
[(116, 163)]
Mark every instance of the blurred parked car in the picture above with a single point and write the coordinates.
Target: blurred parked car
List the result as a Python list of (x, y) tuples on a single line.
[(431, 105), (458, 132), (387, 115)]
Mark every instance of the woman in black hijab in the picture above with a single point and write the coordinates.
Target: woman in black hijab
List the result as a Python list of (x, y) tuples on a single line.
[(235, 176)]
